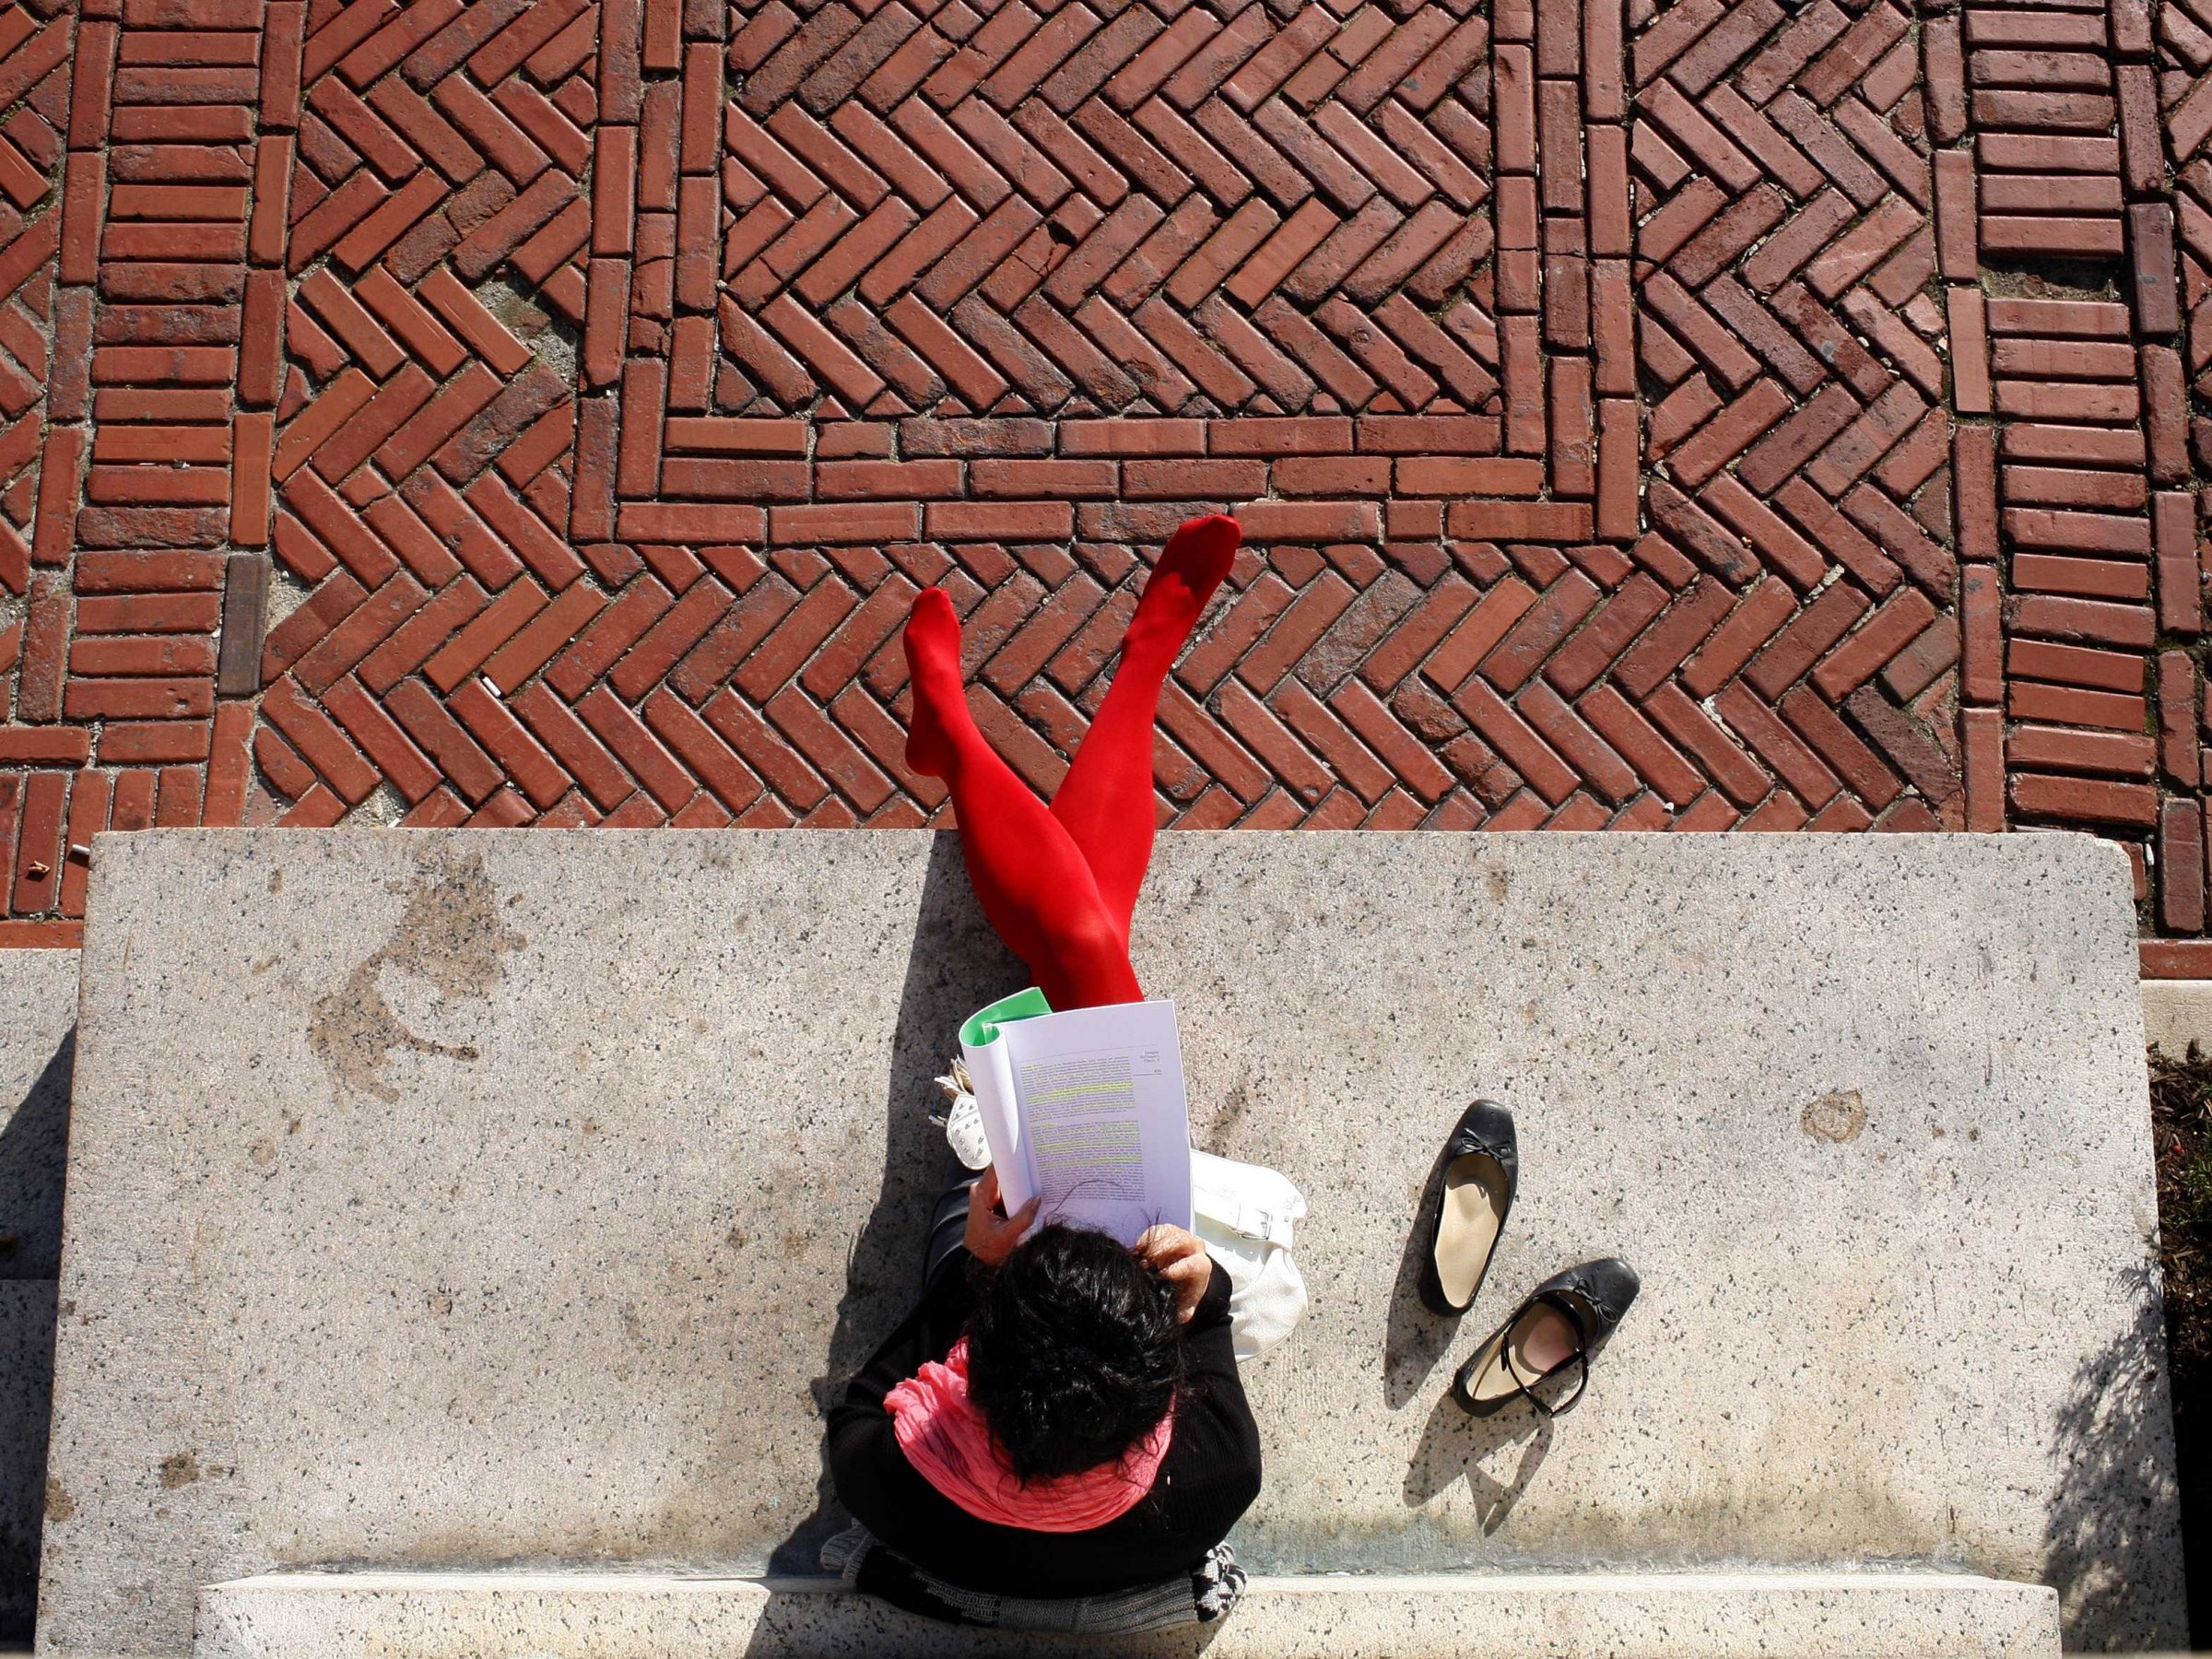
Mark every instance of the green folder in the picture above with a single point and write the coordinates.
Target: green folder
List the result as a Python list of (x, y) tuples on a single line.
[(982, 1025)]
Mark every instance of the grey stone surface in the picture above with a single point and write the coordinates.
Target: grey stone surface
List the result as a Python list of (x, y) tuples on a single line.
[(481, 1199), (2177, 1013), (608, 1616)]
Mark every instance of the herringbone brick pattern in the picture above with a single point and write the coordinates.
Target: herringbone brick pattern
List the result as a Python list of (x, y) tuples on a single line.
[(1705, 415)]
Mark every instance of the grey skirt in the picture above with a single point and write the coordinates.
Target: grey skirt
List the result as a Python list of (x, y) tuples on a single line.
[(1203, 1595)]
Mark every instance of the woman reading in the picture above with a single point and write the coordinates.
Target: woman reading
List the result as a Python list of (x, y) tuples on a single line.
[(1056, 1437)]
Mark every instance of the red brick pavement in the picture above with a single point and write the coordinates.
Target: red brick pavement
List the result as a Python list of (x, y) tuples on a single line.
[(1701, 416)]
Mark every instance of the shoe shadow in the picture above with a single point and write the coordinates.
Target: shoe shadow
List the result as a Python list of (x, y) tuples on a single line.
[(1414, 1339), (1499, 1456)]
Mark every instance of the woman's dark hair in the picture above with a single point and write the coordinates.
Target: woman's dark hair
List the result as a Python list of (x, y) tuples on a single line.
[(1074, 1353)]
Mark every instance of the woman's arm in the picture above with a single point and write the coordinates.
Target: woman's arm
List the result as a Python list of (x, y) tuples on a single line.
[(1212, 1311), (988, 1238), (1213, 1408), (871, 1476)]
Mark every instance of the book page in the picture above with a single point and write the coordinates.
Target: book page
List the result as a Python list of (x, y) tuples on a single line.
[(992, 1080), (1104, 1124)]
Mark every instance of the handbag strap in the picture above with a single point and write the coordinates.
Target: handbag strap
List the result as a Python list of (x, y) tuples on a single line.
[(1220, 1193), (1246, 1220)]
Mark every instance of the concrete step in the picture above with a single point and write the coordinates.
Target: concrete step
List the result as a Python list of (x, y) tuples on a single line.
[(515, 1199), (1644, 1616)]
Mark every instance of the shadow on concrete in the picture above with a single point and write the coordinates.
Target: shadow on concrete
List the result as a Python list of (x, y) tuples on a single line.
[(1414, 1339), (957, 966), (26, 1411), (2108, 1522), (34, 1156), (34, 1150), (1497, 1455)]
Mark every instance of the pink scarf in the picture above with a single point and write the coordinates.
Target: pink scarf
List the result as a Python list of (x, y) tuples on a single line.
[(944, 1437)]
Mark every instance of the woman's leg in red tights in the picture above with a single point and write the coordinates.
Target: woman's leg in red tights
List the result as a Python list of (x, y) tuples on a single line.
[(1032, 879), (1105, 802)]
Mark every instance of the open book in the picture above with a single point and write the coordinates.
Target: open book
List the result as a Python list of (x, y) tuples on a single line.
[(1086, 1109)]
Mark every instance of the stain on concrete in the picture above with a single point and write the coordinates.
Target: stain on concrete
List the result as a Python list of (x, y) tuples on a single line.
[(178, 1469), (452, 936), (1836, 1118), (60, 1506), (1228, 1117)]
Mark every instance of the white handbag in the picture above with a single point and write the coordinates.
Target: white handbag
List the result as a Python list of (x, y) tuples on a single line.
[(1244, 1212)]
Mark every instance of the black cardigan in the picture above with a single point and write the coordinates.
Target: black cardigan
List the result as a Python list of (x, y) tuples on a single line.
[(1210, 1477)]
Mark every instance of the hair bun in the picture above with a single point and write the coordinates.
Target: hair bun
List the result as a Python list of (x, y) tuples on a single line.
[(1073, 1352)]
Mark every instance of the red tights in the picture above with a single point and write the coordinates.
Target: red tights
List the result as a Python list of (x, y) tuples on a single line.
[(1059, 883)]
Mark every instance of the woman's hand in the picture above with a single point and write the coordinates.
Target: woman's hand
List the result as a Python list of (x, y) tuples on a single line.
[(1180, 1258), (991, 1234)]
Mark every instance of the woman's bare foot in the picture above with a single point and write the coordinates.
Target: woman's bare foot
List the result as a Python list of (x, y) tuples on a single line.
[(1197, 557), (933, 662)]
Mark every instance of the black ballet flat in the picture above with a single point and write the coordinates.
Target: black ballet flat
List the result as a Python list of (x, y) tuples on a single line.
[(1467, 1209), (1551, 1335)]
